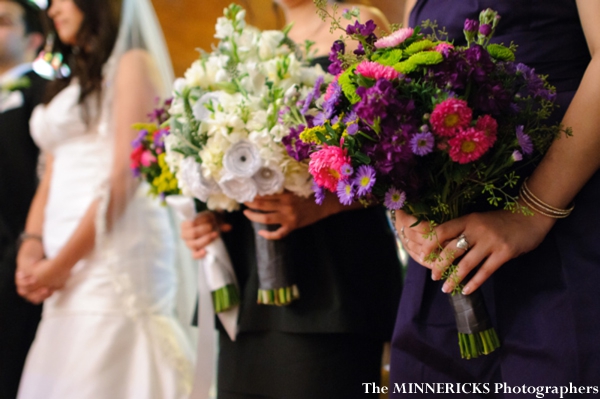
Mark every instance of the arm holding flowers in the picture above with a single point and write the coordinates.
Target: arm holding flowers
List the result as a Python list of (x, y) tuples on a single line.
[(496, 237)]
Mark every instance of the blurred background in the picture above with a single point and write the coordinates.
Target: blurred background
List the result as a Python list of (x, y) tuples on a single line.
[(190, 24)]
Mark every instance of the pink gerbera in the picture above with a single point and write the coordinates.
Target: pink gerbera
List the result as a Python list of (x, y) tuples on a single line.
[(450, 116), (489, 126), (395, 38), (468, 145), (374, 70), (326, 166)]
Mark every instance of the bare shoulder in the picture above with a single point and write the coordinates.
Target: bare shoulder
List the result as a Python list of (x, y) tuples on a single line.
[(374, 13)]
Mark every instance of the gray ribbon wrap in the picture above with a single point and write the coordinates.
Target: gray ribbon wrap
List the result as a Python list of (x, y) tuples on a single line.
[(270, 260), (470, 313)]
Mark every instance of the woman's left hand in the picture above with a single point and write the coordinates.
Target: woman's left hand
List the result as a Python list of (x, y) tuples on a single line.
[(288, 210), (493, 238)]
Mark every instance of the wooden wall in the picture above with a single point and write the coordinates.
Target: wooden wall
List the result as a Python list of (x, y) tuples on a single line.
[(189, 24)]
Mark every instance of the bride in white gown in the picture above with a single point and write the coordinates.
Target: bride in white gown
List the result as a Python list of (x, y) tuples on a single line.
[(96, 247)]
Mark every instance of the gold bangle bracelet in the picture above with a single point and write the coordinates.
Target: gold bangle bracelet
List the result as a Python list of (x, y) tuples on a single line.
[(540, 206), (546, 206)]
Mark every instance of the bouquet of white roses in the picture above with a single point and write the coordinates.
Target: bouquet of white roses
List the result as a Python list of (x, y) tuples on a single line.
[(228, 123)]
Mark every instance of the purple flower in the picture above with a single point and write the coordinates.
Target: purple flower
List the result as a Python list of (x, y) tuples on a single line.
[(517, 156), (352, 129), (345, 192), (159, 138), (535, 85), (136, 172), (295, 147), (335, 68), (315, 93), (139, 140), (524, 141), (365, 179), (471, 25), (375, 100), (332, 97), (319, 194), (347, 170), (422, 143), (485, 29), (394, 199), (365, 29)]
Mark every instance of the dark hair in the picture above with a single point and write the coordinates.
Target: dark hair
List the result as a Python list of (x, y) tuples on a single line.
[(33, 17), (94, 44)]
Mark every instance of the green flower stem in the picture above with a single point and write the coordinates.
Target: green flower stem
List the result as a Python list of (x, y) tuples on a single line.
[(475, 345), (278, 296), (225, 298)]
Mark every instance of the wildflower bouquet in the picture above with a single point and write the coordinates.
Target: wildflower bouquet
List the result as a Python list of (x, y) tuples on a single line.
[(148, 162), (421, 125), (227, 121)]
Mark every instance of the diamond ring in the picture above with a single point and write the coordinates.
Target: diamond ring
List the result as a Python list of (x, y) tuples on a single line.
[(462, 243)]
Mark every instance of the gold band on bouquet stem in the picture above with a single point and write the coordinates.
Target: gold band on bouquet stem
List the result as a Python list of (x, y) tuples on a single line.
[(539, 206)]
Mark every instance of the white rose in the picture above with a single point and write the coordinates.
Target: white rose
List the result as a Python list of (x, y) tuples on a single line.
[(242, 159), (241, 189), (192, 178), (268, 181)]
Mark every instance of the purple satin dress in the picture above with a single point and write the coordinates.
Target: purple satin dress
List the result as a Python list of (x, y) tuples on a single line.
[(545, 305)]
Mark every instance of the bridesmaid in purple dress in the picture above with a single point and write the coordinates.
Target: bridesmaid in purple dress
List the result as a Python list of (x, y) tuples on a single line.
[(544, 304)]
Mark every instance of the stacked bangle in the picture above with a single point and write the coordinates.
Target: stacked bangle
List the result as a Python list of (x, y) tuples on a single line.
[(29, 236), (539, 206)]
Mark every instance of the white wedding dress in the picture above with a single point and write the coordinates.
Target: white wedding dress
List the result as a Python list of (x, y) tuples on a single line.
[(111, 333)]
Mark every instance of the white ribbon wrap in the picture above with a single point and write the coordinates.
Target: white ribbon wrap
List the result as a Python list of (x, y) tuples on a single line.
[(217, 272)]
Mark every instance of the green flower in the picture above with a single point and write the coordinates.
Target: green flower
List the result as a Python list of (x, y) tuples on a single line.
[(347, 86), (417, 47), (19, 84), (500, 53), (388, 58)]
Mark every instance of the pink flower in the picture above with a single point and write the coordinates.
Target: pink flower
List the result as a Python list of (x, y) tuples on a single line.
[(489, 126), (331, 87), (468, 145), (374, 70), (450, 116), (395, 38), (444, 48), (147, 158), (136, 156), (326, 166)]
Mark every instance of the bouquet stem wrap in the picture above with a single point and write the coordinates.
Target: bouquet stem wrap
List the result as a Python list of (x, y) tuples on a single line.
[(217, 272), (476, 335), (275, 285)]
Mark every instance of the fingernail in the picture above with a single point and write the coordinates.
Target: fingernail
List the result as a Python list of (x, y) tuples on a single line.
[(466, 290), (445, 289), (434, 277)]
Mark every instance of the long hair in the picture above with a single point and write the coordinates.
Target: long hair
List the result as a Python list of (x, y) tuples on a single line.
[(94, 44)]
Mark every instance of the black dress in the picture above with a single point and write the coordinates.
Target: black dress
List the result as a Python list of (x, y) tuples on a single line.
[(545, 304), (329, 342), (18, 162)]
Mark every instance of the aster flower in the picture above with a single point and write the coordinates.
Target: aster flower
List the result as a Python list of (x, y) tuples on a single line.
[(352, 128), (489, 126), (319, 194), (422, 143), (347, 170), (365, 179), (394, 199), (468, 145), (524, 141), (312, 95), (517, 156), (375, 70), (450, 116), (139, 140), (326, 166), (345, 192), (395, 38)]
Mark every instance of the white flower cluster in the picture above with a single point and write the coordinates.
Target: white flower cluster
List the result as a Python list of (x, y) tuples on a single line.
[(227, 127)]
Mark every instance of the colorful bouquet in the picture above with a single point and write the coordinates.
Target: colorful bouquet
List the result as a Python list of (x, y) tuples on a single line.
[(418, 124), (228, 130), (148, 162)]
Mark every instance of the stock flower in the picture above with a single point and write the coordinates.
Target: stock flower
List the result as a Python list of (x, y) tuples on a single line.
[(375, 70), (394, 199), (489, 126), (395, 38), (365, 29), (422, 143), (524, 141), (345, 192), (365, 179), (295, 147), (375, 100), (468, 145), (325, 165), (450, 116), (338, 47)]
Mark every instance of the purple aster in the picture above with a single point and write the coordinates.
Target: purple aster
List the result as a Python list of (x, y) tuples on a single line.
[(315, 93), (394, 199), (517, 156), (332, 97), (535, 85), (139, 140), (422, 143), (365, 179), (345, 192), (347, 170), (352, 129), (159, 138), (335, 68), (319, 194), (350, 117), (524, 141)]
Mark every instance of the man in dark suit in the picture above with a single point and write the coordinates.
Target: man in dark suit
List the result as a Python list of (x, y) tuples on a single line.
[(21, 35)]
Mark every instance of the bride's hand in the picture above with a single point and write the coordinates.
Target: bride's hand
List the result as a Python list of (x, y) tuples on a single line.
[(493, 238), (201, 231), (46, 277)]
